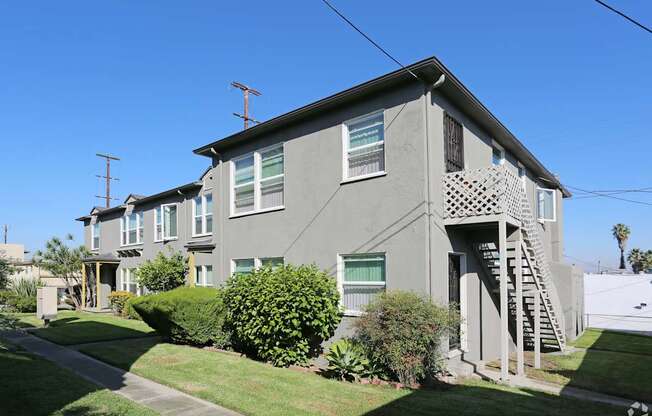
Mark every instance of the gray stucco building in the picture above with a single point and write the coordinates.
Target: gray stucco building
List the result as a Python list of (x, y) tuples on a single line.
[(403, 182)]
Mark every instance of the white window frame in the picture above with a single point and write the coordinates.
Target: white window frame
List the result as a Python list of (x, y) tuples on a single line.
[(163, 230), (241, 258), (99, 236), (522, 173), (554, 205), (124, 221), (497, 146), (257, 180), (202, 269), (464, 341), (341, 282), (124, 284), (345, 148), (203, 214), (258, 261)]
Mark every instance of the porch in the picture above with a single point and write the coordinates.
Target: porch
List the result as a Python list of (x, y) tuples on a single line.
[(98, 281), (513, 260)]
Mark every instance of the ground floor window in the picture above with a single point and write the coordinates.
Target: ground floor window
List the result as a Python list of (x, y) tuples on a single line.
[(361, 277), (204, 275), (246, 266), (128, 281)]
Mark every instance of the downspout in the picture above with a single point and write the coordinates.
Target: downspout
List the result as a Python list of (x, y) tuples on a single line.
[(427, 94), (220, 215)]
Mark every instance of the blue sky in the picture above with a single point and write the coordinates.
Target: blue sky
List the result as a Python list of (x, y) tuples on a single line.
[(149, 81)]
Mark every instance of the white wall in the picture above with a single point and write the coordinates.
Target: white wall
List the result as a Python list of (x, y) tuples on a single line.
[(614, 301)]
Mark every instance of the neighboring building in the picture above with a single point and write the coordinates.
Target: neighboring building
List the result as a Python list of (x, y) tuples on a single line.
[(620, 302), (396, 183), (26, 268)]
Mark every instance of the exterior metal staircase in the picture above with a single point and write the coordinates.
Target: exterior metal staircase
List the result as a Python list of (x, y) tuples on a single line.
[(482, 195)]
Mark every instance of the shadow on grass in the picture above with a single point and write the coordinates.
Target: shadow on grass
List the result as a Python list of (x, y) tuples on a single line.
[(31, 385), (490, 401)]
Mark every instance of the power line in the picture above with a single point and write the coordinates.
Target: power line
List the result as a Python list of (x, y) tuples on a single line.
[(368, 38), (609, 196), (624, 16), (613, 192)]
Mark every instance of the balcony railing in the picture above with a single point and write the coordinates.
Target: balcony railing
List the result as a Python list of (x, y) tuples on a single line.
[(482, 192)]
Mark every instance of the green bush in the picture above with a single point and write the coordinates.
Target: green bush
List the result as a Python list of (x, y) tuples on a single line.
[(129, 312), (185, 315), (118, 299), (23, 303), (21, 296), (282, 315), (4, 296), (402, 332), (163, 273)]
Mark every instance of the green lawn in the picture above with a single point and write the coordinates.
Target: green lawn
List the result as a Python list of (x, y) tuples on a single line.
[(609, 362), (72, 327), (30, 385), (255, 388)]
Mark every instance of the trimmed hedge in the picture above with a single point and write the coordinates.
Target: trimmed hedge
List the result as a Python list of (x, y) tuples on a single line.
[(186, 315), (282, 315)]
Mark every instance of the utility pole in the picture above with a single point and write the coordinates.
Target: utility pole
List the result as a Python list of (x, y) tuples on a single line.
[(246, 90), (108, 178), (5, 229)]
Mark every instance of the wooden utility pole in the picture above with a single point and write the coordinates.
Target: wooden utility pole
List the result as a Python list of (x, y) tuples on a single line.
[(245, 91), (108, 178), (5, 229)]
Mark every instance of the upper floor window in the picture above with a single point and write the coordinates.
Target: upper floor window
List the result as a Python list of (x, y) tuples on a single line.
[(131, 229), (497, 154), (95, 236), (364, 146), (360, 277), (165, 222), (453, 144), (202, 208), (258, 181), (546, 207)]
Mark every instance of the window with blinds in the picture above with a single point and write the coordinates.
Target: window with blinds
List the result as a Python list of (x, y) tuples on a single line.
[(259, 181), (453, 144), (243, 266), (165, 222), (362, 278), (204, 275), (364, 146), (202, 214)]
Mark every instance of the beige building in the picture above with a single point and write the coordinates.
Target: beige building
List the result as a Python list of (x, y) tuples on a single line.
[(25, 268)]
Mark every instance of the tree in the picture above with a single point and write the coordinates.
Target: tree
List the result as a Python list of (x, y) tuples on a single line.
[(6, 269), (64, 262), (163, 273), (621, 234), (640, 260)]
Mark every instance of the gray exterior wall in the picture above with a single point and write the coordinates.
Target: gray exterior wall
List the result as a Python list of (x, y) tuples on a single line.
[(399, 214)]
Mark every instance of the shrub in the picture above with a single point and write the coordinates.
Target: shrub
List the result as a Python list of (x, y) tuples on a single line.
[(282, 315), (403, 332), (347, 360), (22, 294), (23, 303), (4, 297), (129, 312), (185, 315), (163, 273), (118, 300)]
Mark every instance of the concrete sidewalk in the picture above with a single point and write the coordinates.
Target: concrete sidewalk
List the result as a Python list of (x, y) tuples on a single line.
[(162, 399)]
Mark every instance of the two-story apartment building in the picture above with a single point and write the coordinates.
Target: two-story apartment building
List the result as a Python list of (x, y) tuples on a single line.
[(403, 182)]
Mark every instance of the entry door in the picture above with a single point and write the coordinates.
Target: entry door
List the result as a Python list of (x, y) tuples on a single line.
[(454, 274)]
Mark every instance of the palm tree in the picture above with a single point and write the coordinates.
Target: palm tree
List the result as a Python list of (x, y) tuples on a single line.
[(621, 234)]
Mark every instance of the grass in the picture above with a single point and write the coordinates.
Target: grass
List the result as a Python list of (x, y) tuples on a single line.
[(30, 385), (609, 362), (72, 327), (598, 339), (255, 388)]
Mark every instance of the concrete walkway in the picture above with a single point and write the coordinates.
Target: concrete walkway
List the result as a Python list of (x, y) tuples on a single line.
[(528, 383), (162, 399)]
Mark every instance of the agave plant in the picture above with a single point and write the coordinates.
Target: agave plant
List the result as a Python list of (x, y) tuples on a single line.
[(347, 360)]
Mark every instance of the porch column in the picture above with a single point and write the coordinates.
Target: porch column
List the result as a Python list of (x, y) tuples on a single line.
[(504, 332), (192, 278), (520, 365), (537, 330), (97, 285), (83, 296)]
